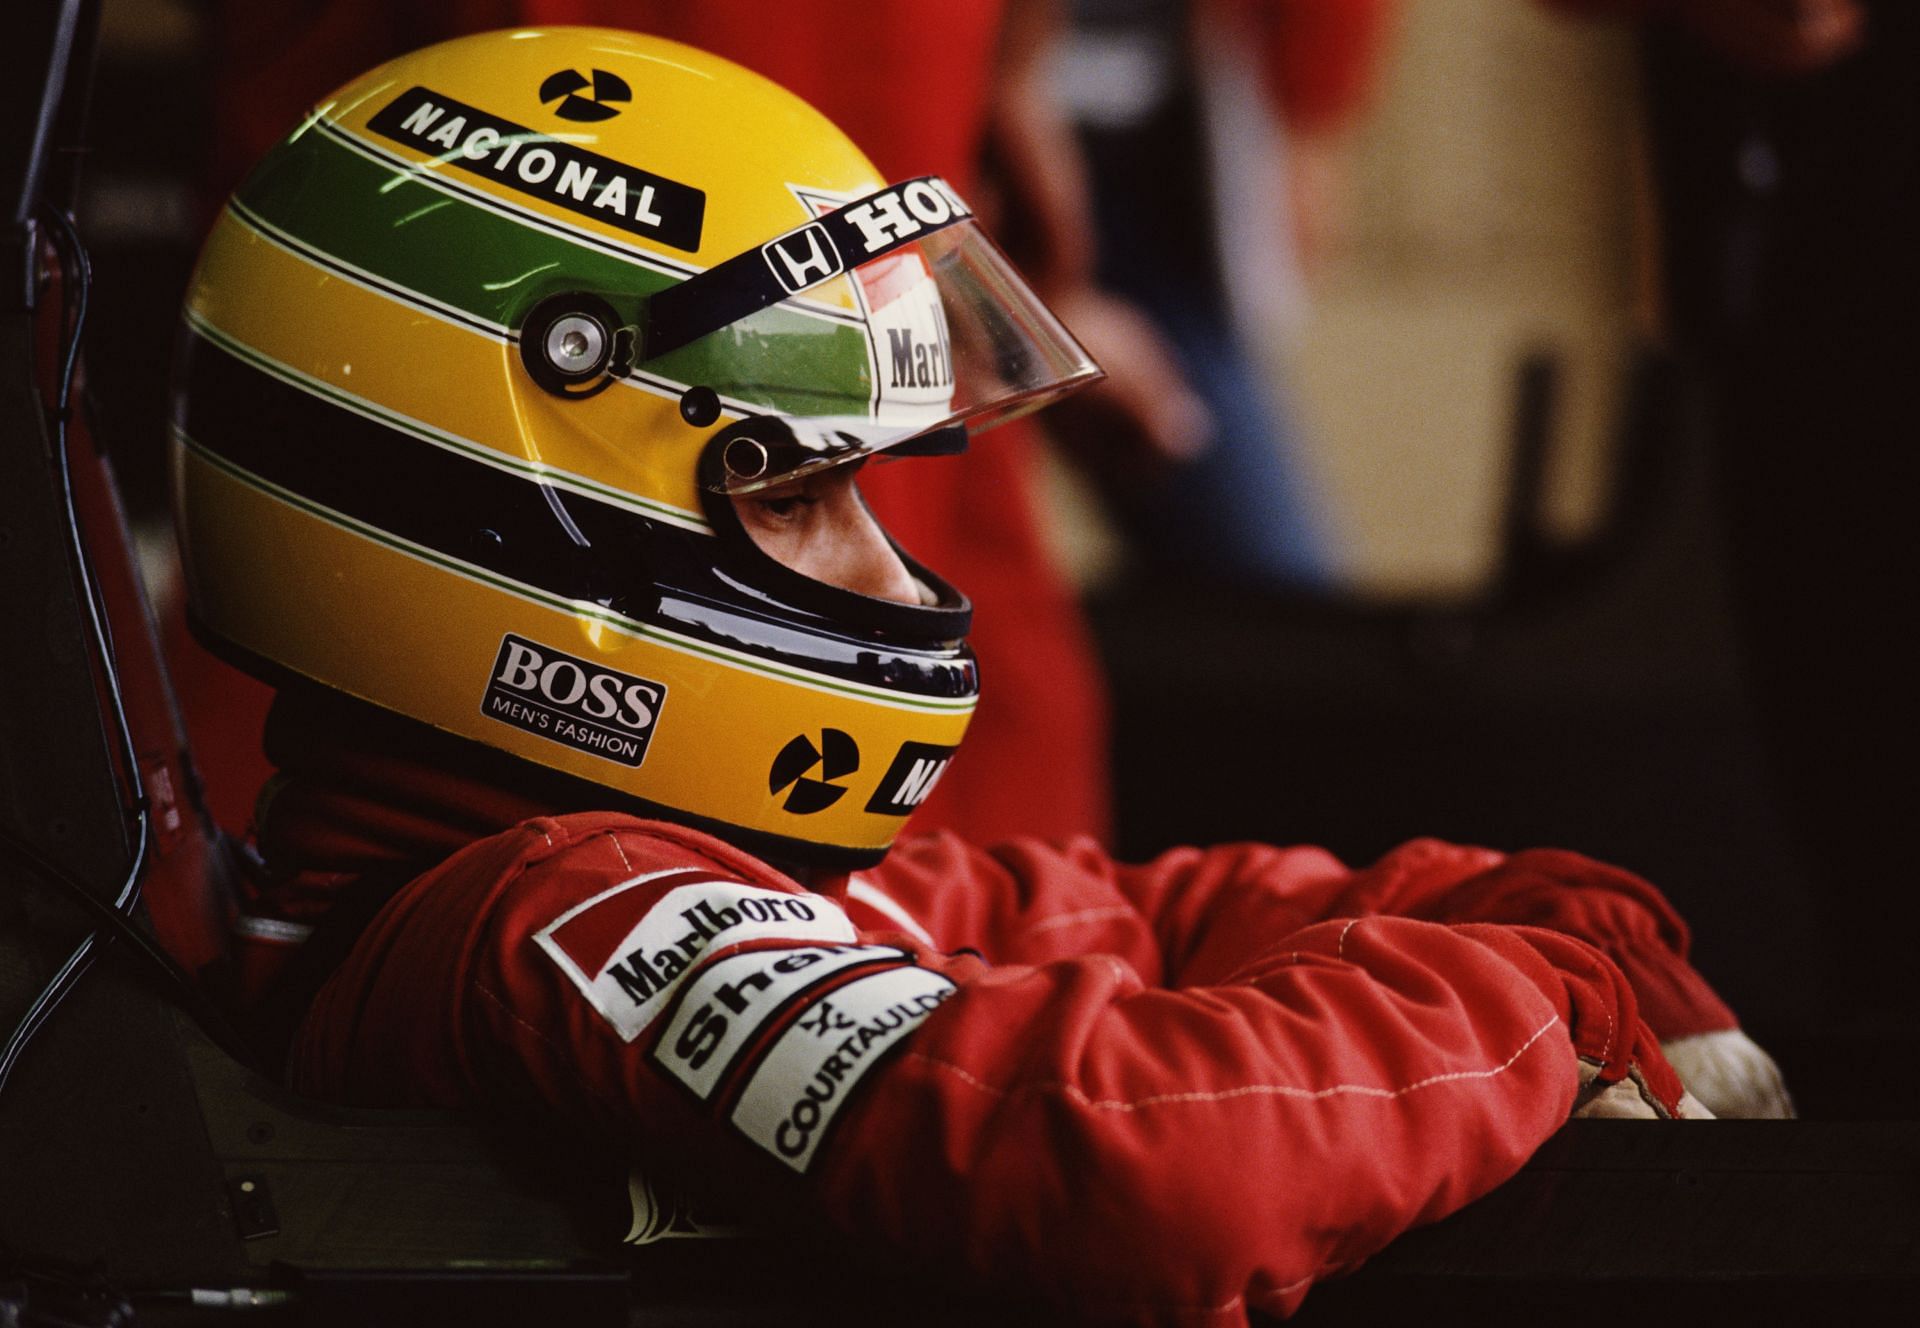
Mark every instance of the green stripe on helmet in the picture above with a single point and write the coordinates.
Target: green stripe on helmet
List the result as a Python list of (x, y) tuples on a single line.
[(487, 260)]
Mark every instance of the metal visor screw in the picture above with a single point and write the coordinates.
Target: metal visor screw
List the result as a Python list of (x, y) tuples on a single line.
[(745, 458), (576, 345)]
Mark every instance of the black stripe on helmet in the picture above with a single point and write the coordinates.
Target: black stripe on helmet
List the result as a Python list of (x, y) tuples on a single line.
[(538, 535)]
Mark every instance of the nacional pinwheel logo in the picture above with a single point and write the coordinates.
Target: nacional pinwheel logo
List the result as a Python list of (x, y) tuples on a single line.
[(586, 99), (808, 772)]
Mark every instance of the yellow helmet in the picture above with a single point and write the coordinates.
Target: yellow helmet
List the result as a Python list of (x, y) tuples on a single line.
[(472, 364)]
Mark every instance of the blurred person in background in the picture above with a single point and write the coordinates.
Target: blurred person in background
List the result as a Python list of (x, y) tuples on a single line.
[(1214, 132), (1786, 153)]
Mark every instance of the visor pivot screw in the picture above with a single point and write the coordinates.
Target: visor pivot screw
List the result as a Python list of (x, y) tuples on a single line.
[(576, 345), (699, 406), (573, 345)]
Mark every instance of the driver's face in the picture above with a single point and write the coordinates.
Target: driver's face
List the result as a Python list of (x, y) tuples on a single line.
[(820, 527)]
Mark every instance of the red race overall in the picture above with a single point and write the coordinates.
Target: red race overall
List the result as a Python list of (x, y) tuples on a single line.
[(1227, 1073)]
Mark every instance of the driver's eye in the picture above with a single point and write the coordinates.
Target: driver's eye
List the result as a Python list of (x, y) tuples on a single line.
[(785, 506)]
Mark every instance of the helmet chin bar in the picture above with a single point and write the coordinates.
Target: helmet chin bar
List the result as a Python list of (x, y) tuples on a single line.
[(575, 345)]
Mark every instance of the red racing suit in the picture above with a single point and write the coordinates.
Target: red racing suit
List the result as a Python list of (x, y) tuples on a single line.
[(1226, 1073)]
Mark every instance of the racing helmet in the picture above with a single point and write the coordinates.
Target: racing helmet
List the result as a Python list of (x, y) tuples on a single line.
[(474, 365)]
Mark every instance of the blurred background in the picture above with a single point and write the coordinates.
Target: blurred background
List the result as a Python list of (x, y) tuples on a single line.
[(1481, 198), (1411, 277)]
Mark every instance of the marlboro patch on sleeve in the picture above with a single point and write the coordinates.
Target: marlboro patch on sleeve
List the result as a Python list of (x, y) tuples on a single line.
[(628, 948)]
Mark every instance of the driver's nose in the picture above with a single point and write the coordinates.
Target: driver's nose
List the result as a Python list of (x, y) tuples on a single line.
[(871, 566)]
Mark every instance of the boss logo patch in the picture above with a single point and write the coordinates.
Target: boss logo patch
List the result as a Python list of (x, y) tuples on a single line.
[(586, 706), (910, 778), (546, 168)]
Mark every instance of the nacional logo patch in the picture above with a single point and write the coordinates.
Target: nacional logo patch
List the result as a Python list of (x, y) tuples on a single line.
[(915, 770), (585, 705), (546, 168), (628, 948)]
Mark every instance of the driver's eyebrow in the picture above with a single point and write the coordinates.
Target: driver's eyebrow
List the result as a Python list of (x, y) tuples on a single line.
[(802, 258)]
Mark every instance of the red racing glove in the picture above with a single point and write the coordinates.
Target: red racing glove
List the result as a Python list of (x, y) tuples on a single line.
[(1598, 1006)]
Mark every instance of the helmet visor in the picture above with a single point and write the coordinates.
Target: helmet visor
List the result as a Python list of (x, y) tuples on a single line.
[(822, 362)]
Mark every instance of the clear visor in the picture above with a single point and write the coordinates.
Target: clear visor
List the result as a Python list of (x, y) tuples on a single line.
[(936, 338)]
